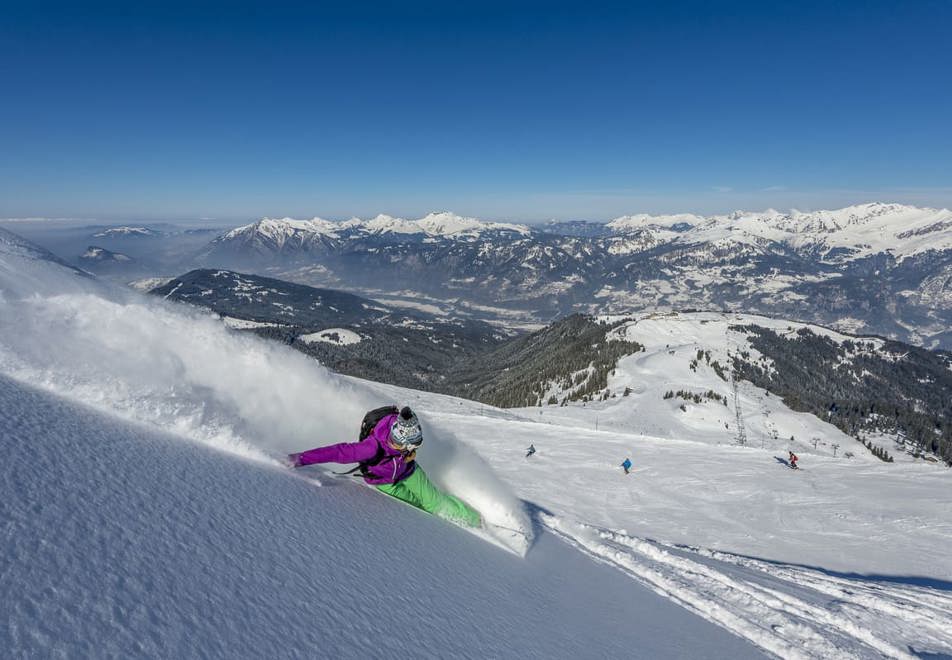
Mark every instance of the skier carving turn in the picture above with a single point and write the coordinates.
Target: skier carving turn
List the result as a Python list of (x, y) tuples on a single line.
[(386, 457)]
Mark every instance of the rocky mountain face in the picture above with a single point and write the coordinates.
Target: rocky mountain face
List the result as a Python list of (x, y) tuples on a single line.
[(874, 268)]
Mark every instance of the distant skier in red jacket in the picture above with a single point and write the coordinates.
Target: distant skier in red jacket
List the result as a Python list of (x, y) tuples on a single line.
[(793, 460)]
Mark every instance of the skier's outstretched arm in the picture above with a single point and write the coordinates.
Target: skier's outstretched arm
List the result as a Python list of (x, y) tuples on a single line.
[(344, 452)]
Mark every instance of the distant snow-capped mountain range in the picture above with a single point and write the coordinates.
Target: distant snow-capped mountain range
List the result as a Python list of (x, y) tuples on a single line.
[(849, 232), (835, 236), (125, 231), (269, 237), (878, 268)]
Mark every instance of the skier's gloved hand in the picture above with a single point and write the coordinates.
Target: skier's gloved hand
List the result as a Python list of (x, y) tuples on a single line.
[(292, 460)]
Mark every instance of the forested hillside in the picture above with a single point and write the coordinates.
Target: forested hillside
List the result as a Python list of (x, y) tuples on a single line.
[(568, 360), (896, 389)]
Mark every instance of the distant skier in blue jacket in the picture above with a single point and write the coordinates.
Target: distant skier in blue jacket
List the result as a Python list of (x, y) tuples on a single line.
[(627, 465)]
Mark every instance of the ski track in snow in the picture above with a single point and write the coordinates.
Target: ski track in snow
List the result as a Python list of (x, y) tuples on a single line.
[(726, 498), (789, 611)]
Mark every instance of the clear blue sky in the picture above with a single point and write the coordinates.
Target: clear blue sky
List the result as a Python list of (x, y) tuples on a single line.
[(502, 110)]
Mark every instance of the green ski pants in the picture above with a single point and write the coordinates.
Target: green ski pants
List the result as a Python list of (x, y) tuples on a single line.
[(417, 490)]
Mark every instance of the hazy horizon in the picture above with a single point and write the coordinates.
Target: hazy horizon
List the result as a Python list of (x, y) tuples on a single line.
[(223, 222)]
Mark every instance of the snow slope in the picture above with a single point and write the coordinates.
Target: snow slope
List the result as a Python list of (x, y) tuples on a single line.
[(26, 269), (844, 558), (847, 556), (143, 512), (119, 540)]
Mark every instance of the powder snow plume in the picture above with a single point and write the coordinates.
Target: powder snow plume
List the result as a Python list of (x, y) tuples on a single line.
[(455, 467), (176, 368), (180, 369)]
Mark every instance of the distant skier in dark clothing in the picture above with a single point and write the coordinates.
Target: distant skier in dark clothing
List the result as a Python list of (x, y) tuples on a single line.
[(530, 451), (793, 461), (627, 466)]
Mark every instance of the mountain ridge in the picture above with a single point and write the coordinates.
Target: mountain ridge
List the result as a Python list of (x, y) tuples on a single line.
[(878, 268)]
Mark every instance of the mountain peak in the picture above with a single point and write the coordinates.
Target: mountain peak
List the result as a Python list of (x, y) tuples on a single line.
[(383, 224), (447, 223), (126, 231), (279, 230), (627, 223), (98, 254)]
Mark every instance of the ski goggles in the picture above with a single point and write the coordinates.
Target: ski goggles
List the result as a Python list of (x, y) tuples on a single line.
[(408, 445)]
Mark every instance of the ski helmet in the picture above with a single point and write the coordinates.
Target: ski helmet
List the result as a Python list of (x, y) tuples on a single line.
[(405, 432)]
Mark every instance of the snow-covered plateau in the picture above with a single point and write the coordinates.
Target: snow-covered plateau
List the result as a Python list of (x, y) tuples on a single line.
[(144, 511), (338, 336)]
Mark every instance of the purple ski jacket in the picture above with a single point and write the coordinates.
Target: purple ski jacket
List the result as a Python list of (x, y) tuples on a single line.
[(391, 468)]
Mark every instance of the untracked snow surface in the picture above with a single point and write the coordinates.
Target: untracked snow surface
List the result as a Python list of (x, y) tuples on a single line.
[(143, 513)]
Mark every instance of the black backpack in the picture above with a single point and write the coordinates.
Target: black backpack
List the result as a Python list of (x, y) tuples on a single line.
[(372, 418), (367, 426)]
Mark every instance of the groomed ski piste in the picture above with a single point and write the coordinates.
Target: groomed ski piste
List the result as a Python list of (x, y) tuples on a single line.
[(144, 513)]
